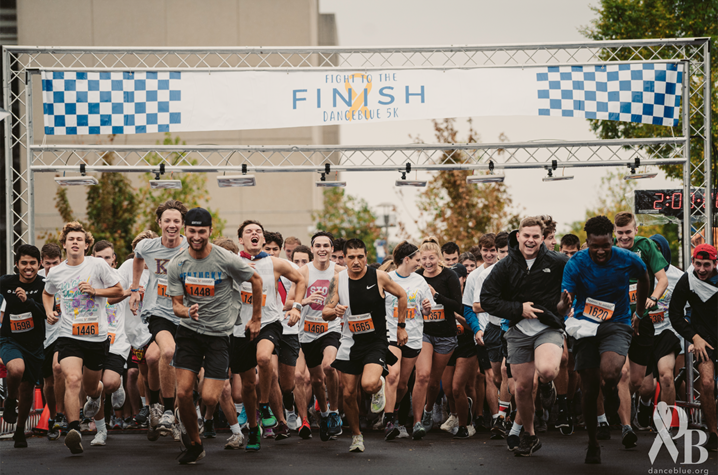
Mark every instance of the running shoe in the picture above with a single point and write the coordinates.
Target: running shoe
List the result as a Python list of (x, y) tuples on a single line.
[(268, 433), (324, 428), (480, 424), (426, 421), (437, 416), (527, 445), (9, 413), (335, 424), (379, 424), (593, 455), (603, 431), (450, 423), (152, 433), (100, 439), (378, 401), (462, 433), (19, 438), (498, 430), (127, 422), (642, 420), (540, 425), (92, 406), (471, 429), (242, 418), (132, 423), (115, 423), (268, 419), (143, 416), (73, 441), (391, 431), (156, 411), (166, 421), (253, 440), (118, 397), (62, 420), (419, 431), (512, 442), (305, 431), (281, 432), (176, 433), (403, 433), (547, 392), (294, 422), (84, 424), (357, 443), (209, 432), (193, 454), (563, 423), (53, 429), (470, 416), (234, 442), (629, 439)]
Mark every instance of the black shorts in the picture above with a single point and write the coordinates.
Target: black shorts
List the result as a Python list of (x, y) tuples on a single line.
[(49, 357), (494, 343), (92, 353), (314, 351), (466, 348), (158, 324), (610, 336), (131, 364), (664, 344), (641, 349), (483, 356), (194, 352), (406, 352), (243, 354), (115, 363), (289, 349), (362, 354)]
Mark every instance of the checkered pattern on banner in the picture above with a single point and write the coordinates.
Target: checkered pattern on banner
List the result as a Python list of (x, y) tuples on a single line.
[(78, 103), (649, 93)]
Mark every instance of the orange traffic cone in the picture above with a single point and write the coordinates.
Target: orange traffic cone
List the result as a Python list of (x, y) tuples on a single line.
[(37, 403), (675, 421), (42, 426)]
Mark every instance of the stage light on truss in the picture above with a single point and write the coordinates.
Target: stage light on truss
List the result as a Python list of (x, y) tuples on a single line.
[(478, 179), (230, 181), (166, 184), (550, 177), (414, 183), (76, 180), (323, 183), (639, 176)]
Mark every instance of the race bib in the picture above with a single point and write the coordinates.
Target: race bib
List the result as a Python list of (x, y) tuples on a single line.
[(162, 288), (657, 316), (315, 325), (632, 293), (199, 287), (112, 337), (247, 298), (21, 323), (436, 315), (410, 313), (597, 310), (86, 329), (359, 324)]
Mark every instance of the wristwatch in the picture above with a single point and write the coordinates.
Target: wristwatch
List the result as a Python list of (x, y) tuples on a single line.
[(653, 298), (401, 324), (297, 305), (436, 296)]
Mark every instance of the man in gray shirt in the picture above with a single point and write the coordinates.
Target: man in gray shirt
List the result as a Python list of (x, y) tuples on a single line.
[(201, 283)]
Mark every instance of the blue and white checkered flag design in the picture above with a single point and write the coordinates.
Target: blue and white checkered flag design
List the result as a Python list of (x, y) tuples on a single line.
[(81, 103), (648, 93)]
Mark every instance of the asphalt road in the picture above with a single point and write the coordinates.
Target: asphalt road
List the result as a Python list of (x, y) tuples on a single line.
[(131, 453)]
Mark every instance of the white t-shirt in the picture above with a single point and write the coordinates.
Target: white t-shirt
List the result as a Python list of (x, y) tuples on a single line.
[(52, 332), (416, 290), (83, 317), (659, 313), (532, 326), (135, 330), (479, 283)]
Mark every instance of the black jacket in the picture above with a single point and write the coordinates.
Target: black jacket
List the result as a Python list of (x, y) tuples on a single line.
[(511, 283), (704, 315)]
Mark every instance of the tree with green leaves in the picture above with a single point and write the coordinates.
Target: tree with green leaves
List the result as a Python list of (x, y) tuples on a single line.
[(347, 217), (453, 210)]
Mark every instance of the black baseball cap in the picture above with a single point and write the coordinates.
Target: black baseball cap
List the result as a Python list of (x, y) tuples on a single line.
[(198, 217)]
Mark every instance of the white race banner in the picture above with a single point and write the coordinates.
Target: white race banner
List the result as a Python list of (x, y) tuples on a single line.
[(133, 102)]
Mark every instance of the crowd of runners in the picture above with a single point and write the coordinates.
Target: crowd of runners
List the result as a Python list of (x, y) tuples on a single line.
[(503, 338)]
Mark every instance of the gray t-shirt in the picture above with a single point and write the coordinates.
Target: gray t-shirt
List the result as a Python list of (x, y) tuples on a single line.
[(208, 282), (156, 301)]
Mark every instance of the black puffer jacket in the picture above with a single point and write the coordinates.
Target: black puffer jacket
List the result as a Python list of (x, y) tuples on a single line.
[(511, 283)]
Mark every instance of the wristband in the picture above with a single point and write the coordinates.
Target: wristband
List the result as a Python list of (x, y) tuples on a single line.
[(134, 290), (653, 298), (188, 316), (297, 306)]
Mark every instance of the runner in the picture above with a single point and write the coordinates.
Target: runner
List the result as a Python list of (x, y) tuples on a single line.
[(357, 298), (450, 252), (54, 383), (320, 339), (439, 340), (419, 304), (639, 355), (201, 284), (549, 233), (699, 288), (469, 261), (570, 245), (84, 285), (338, 253), (157, 312), (525, 288), (262, 335), (598, 278), (289, 245), (21, 337)]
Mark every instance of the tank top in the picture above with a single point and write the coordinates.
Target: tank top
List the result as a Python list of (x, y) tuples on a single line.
[(271, 308), (312, 326), (365, 318)]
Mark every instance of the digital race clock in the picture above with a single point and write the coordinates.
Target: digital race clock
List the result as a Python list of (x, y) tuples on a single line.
[(670, 202)]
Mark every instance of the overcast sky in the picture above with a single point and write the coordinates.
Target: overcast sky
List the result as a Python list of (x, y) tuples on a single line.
[(473, 22)]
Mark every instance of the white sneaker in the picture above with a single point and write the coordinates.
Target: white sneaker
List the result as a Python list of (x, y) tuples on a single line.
[(379, 424), (166, 422), (403, 433), (378, 401), (471, 429), (156, 411), (294, 422), (118, 397), (176, 434), (100, 439), (234, 442), (450, 423), (357, 443), (437, 415), (92, 406)]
